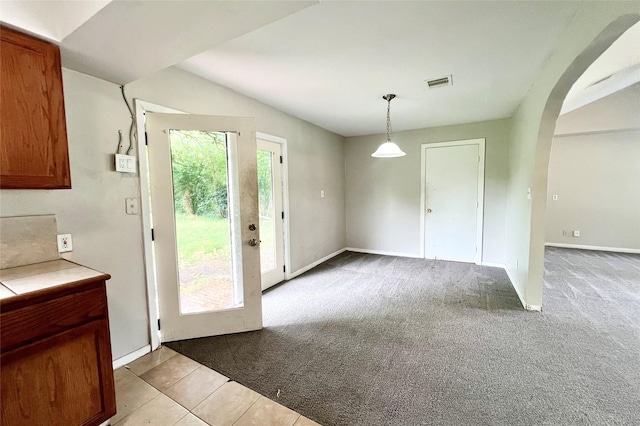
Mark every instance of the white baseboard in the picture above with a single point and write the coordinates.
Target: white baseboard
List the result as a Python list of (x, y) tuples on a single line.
[(494, 265), (131, 357), (526, 306), (314, 264), (384, 253), (600, 248)]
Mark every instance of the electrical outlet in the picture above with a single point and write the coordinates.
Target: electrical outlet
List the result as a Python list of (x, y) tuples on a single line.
[(125, 163), (555, 197), (64, 243), (576, 233)]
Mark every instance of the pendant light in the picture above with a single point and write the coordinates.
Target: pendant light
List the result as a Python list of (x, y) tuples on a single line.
[(388, 149)]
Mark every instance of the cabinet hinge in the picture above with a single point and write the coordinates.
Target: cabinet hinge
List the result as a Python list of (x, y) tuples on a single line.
[(153, 235), (146, 138), (281, 159), (158, 323), (282, 215)]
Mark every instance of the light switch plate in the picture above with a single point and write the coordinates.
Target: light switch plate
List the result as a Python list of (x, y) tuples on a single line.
[(64, 243), (125, 163)]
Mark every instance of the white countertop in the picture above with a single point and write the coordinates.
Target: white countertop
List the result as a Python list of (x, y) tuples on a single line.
[(38, 276)]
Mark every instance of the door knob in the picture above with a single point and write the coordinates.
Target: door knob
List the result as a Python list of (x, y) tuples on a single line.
[(253, 242), (429, 210), (252, 227)]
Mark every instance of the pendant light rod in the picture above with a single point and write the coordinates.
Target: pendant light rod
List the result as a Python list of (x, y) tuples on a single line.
[(388, 98), (388, 149)]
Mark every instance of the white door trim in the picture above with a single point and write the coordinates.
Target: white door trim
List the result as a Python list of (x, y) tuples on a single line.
[(145, 216), (285, 198), (479, 213)]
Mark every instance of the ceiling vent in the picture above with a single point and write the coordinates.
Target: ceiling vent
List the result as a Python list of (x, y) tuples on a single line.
[(439, 82)]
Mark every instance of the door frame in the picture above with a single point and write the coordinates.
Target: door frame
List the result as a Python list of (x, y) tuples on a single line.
[(479, 212), (285, 198), (145, 213)]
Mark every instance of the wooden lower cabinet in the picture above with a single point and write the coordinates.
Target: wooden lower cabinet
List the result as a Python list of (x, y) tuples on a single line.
[(56, 362)]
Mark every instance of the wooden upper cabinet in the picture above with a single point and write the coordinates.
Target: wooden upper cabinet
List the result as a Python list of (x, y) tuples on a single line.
[(33, 137)]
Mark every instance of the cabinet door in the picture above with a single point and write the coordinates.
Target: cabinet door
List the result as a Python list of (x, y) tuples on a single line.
[(63, 380), (33, 138)]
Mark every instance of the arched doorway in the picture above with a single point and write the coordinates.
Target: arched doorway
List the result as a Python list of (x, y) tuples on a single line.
[(591, 32)]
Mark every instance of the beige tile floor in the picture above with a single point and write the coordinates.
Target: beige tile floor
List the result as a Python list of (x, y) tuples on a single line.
[(166, 388)]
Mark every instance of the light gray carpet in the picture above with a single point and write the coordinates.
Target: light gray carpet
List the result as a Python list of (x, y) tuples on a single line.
[(377, 340)]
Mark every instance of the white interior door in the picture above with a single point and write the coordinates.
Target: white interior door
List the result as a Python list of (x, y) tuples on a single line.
[(271, 213), (454, 182), (203, 187)]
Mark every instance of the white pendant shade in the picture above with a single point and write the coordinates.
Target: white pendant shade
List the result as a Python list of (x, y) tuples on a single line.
[(388, 150)]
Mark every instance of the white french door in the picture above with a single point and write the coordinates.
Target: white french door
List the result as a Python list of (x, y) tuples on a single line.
[(204, 202), (453, 197), (271, 210)]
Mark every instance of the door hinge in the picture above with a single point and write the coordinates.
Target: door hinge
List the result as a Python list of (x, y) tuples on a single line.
[(158, 323), (146, 138), (282, 215), (281, 159), (284, 268), (153, 235)]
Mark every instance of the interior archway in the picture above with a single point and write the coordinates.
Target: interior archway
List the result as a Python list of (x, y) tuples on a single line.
[(546, 131)]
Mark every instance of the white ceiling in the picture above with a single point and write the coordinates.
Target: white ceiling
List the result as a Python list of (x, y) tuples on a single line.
[(129, 40), (326, 62), (53, 20), (122, 41), (618, 67), (331, 63)]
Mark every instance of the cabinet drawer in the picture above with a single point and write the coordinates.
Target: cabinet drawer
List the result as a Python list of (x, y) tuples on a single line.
[(30, 323)]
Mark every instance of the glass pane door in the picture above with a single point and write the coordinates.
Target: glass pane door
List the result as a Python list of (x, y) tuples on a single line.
[(203, 193), (266, 208), (205, 222), (270, 207)]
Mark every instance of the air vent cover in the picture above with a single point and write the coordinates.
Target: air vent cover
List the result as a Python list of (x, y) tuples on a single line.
[(439, 82)]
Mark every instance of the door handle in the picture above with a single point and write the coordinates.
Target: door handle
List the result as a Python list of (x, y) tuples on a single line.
[(429, 210), (253, 242)]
